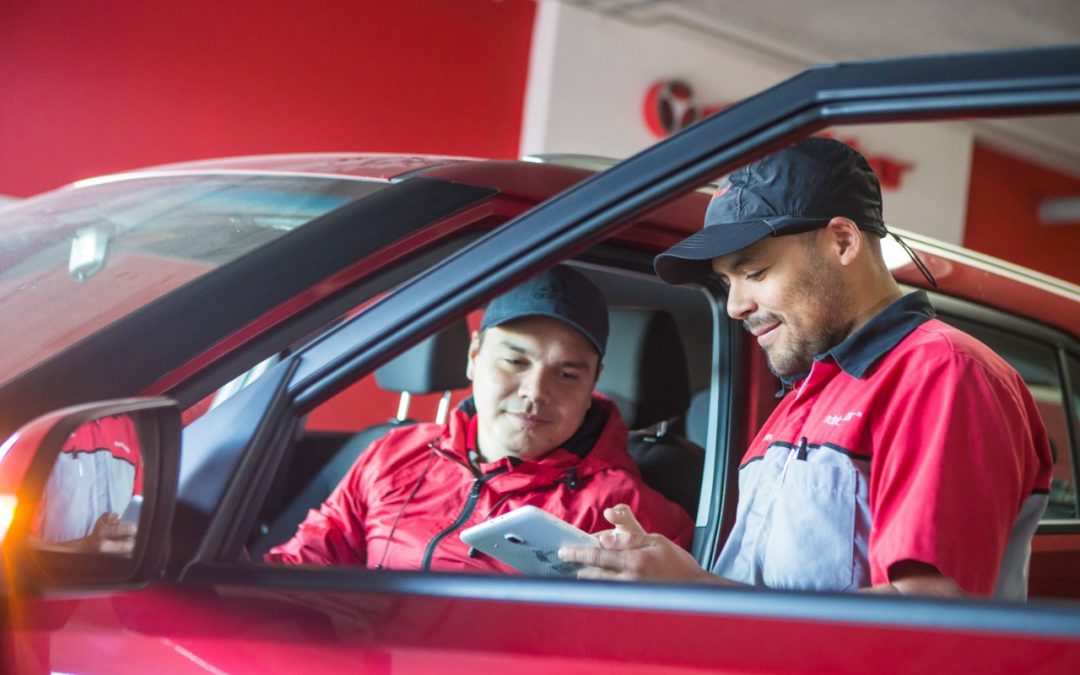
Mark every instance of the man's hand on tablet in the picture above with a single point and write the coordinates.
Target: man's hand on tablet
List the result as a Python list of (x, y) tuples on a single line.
[(628, 552)]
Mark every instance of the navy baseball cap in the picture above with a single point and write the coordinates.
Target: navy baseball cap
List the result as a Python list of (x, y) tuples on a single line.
[(560, 293), (797, 189)]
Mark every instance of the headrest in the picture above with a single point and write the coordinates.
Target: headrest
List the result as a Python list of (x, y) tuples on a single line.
[(645, 371), (436, 364)]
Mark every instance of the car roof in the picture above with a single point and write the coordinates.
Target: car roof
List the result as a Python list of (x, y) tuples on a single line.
[(368, 166)]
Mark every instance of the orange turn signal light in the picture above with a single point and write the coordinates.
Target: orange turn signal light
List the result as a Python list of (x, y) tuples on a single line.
[(7, 514)]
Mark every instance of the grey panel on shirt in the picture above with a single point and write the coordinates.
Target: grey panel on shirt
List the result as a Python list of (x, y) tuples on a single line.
[(801, 524), (81, 488)]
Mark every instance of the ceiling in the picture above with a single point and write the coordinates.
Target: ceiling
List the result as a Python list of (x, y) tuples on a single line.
[(801, 33)]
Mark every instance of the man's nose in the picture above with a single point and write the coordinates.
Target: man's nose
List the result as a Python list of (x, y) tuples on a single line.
[(534, 385), (739, 303)]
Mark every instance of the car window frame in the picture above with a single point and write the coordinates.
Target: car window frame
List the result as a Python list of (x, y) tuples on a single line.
[(228, 530)]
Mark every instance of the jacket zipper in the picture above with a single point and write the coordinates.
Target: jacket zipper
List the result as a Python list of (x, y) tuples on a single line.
[(466, 512)]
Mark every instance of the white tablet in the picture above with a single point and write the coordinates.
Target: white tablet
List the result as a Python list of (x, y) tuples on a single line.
[(528, 539)]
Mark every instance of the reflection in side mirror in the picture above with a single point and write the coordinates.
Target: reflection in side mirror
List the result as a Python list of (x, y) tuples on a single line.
[(93, 494), (91, 491)]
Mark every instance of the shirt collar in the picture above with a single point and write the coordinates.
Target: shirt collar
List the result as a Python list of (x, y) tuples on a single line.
[(863, 348)]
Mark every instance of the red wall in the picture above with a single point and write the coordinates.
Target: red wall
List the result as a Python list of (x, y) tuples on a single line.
[(1003, 214), (93, 87)]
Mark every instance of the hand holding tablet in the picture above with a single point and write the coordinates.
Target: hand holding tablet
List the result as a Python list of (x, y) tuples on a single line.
[(528, 539)]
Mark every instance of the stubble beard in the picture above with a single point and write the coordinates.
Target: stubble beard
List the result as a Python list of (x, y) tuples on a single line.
[(825, 322)]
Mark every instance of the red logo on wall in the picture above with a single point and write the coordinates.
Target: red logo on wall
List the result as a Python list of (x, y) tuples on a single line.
[(670, 106)]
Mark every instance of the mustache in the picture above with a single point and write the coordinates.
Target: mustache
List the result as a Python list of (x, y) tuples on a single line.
[(758, 321)]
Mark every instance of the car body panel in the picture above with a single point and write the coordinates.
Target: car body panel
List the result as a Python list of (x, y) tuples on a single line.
[(989, 281), (248, 625), (18, 451)]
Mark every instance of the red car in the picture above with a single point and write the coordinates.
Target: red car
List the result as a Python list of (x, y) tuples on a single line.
[(247, 316)]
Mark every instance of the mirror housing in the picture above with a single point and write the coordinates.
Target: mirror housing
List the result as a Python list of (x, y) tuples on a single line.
[(37, 561)]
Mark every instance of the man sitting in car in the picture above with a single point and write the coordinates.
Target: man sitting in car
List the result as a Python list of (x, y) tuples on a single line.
[(533, 433)]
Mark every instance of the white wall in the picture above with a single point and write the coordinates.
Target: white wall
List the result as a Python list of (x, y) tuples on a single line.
[(589, 74)]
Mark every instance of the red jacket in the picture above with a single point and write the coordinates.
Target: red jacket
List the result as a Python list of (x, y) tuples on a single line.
[(416, 484)]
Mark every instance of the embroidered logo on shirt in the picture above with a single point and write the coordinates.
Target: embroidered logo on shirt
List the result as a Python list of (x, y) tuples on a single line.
[(837, 420)]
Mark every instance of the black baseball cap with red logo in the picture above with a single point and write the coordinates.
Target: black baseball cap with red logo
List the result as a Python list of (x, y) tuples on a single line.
[(797, 189)]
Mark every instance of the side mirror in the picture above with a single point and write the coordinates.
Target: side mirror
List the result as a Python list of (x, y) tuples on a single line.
[(87, 496)]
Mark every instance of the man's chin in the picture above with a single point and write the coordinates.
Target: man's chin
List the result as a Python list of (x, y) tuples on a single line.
[(527, 454), (524, 450), (787, 367)]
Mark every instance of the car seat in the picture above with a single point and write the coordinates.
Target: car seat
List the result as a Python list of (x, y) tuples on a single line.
[(646, 375), (435, 365)]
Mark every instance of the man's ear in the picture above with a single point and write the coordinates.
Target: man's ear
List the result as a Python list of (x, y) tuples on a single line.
[(845, 240), (474, 349)]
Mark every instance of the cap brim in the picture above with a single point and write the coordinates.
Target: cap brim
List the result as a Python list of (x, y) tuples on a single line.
[(691, 259)]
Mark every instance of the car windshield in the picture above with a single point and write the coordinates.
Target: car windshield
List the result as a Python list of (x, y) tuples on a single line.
[(92, 253)]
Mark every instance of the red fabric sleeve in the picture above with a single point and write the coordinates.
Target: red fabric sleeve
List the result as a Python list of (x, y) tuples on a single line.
[(334, 534), (948, 482), (653, 511)]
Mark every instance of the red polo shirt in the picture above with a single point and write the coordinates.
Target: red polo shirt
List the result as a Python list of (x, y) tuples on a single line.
[(910, 440)]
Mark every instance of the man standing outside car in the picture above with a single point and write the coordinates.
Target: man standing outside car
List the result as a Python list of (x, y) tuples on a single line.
[(905, 456), (533, 433)]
